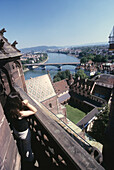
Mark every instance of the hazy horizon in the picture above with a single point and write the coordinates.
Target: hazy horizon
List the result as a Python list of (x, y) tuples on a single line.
[(81, 45)]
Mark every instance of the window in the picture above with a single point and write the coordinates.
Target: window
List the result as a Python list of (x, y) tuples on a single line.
[(50, 105)]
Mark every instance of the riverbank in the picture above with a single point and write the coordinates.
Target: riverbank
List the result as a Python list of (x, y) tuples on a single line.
[(25, 70), (53, 58), (68, 54), (73, 55)]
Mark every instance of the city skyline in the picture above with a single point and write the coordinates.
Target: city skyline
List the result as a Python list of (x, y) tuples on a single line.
[(57, 23)]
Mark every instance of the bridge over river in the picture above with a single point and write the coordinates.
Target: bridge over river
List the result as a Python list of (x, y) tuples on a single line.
[(58, 65)]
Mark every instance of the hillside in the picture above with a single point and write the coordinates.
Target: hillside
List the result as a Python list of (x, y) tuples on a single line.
[(38, 48)]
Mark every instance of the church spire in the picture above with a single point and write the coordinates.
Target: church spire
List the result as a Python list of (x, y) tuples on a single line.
[(111, 40)]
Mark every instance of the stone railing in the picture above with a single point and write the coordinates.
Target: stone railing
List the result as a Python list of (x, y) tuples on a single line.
[(53, 146)]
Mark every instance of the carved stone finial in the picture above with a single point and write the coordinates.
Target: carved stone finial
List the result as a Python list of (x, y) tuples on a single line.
[(2, 31), (14, 44)]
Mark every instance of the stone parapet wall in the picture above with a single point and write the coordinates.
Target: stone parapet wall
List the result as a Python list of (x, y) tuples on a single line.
[(9, 156)]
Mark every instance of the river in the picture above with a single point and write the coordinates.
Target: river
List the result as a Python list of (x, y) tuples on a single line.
[(53, 58)]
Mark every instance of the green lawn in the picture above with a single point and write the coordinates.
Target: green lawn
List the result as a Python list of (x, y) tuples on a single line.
[(74, 114)]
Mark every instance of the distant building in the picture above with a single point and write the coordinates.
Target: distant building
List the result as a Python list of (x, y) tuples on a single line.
[(108, 68), (97, 91), (62, 91), (111, 40), (87, 95)]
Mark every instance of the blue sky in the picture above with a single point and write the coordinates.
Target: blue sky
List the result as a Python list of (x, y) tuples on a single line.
[(56, 22)]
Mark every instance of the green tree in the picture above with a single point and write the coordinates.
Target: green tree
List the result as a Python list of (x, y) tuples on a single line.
[(97, 58), (82, 54), (90, 57), (56, 79), (61, 75), (83, 60), (67, 73), (99, 125), (80, 73), (112, 60), (100, 58), (105, 59)]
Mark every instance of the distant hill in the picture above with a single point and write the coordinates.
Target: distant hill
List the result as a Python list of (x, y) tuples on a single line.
[(45, 48), (38, 48), (92, 44)]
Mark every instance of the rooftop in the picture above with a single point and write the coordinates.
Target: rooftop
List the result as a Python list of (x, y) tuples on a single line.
[(40, 88), (61, 86), (7, 50), (105, 79)]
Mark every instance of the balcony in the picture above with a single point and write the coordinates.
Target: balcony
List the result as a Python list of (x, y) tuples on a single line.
[(53, 147)]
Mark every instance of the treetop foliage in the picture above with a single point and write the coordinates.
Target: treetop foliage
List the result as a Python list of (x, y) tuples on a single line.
[(99, 125), (61, 75), (80, 73), (85, 57)]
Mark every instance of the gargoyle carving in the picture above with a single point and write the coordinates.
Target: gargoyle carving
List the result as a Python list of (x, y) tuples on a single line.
[(2, 31), (14, 44)]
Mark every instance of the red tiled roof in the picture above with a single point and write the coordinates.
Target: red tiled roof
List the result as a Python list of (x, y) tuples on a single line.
[(61, 86), (90, 62)]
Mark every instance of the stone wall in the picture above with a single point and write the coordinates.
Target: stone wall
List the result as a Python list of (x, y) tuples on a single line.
[(80, 104), (10, 73), (9, 156), (51, 104)]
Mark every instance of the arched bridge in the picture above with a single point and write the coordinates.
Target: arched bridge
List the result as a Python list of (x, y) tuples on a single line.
[(59, 65)]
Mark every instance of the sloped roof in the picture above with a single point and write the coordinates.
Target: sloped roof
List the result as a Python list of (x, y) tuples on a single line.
[(7, 50), (105, 80), (61, 86), (40, 88), (102, 92), (84, 121), (64, 97)]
